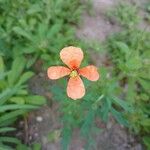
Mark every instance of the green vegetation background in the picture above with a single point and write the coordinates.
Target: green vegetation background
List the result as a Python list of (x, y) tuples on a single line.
[(32, 30)]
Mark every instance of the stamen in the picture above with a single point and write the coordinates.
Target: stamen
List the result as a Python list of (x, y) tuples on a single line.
[(73, 74)]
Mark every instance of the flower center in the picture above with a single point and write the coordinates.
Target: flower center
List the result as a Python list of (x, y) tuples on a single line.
[(73, 73)]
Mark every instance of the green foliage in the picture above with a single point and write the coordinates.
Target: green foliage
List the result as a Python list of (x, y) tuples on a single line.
[(146, 140), (15, 100), (127, 80), (126, 14), (38, 29), (147, 13), (100, 100), (130, 55)]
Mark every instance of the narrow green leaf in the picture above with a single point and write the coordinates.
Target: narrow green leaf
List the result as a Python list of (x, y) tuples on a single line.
[(123, 47), (6, 94), (37, 146), (134, 63), (88, 121), (25, 77), (66, 137), (4, 147), (22, 147), (119, 117), (146, 140), (16, 70), (11, 115), (123, 104), (9, 140), (17, 100), (146, 122), (16, 106), (30, 62), (1, 65), (145, 84), (105, 109), (36, 100), (22, 92), (6, 129), (35, 8), (21, 32)]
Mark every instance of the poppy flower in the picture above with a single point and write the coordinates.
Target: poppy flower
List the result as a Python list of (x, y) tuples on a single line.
[(72, 57)]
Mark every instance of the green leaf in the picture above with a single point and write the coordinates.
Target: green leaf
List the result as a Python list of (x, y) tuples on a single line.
[(35, 8), (119, 117), (146, 140), (16, 70), (88, 121), (123, 47), (8, 122), (29, 50), (53, 30), (123, 104), (45, 57), (1, 65), (6, 129), (146, 122), (17, 100), (25, 77), (9, 140), (36, 100), (11, 115), (30, 62), (145, 84), (66, 137), (5, 147), (22, 32), (22, 147), (16, 106), (37, 146), (22, 92), (106, 106), (54, 135), (6, 94), (134, 63), (3, 75)]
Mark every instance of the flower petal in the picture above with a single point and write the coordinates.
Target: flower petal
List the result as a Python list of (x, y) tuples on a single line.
[(75, 88), (56, 72), (89, 72), (71, 56)]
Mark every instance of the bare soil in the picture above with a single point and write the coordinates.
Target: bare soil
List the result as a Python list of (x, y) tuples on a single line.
[(97, 26)]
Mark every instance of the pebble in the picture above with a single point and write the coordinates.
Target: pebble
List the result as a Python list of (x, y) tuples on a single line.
[(39, 119), (36, 135)]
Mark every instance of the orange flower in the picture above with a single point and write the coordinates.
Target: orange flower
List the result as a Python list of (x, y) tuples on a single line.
[(72, 57)]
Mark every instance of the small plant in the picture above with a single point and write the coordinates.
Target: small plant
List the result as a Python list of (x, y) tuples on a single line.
[(147, 15), (37, 29), (125, 14), (15, 101), (130, 54), (99, 102)]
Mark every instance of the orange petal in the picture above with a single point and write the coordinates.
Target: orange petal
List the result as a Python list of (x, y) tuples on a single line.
[(75, 88), (71, 56), (89, 72), (56, 72)]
